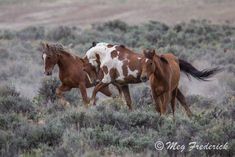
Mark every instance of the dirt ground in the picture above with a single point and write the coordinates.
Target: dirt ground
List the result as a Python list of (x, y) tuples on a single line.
[(17, 14)]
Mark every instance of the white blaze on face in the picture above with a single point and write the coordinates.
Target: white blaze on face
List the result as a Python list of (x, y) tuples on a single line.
[(44, 58)]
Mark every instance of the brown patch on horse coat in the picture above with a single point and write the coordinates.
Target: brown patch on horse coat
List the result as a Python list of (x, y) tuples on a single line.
[(98, 59), (124, 68), (114, 54), (123, 52), (113, 73), (105, 69)]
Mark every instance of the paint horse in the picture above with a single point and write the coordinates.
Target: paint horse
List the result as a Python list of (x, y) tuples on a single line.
[(163, 73), (120, 66), (71, 71)]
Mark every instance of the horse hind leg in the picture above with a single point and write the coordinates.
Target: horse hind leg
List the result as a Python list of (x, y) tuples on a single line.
[(182, 101), (173, 102), (126, 93), (119, 88), (85, 98)]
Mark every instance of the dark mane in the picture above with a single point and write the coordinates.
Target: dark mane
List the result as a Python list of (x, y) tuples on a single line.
[(93, 44), (56, 48)]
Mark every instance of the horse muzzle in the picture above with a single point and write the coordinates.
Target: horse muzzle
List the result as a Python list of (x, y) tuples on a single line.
[(48, 73), (95, 82), (144, 78)]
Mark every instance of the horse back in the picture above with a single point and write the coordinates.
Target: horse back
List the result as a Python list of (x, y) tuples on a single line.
[(172, 69)]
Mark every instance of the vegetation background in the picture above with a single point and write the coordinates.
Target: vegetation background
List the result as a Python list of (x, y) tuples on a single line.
[(32, 124)]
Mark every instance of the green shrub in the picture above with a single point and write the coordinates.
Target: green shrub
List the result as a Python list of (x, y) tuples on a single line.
[(112, 25), (10, 101), (60, 33), (47, 91), (32, 33), (31, 128)]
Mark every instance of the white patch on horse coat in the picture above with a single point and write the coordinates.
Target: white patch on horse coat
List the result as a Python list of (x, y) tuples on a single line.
[(106, 78), (146, 60), (139, 58), (133, 73), (106, 60)]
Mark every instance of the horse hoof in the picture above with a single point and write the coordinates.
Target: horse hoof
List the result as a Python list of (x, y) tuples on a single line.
[(67, 104), (64, 103), (190, 115)]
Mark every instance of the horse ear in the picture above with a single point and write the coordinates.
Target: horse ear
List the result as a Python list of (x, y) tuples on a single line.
[(163, 59), (149, 53), (152, 52), (47, 46), (43, 44)]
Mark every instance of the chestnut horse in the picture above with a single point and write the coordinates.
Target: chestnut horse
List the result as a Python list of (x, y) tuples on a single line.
[(120, 66), (71, 71), (163, 72)]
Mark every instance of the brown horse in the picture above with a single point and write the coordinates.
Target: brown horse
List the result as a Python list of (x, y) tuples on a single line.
[(71, 71), (120, 66), (163, 72)]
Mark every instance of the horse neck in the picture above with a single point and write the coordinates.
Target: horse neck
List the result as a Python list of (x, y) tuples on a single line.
[(65, 60), (159, 68)]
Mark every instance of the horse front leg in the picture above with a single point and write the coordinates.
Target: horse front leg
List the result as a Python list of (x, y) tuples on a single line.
[(59, 93), (106, 91), (97, 88), (85, 98), (166, 98), (157, 100)]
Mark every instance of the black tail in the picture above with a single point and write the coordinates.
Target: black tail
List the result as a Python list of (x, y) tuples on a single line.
[(187, 68)]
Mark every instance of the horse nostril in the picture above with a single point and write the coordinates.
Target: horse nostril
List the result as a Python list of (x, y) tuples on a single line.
[(47, 73), (144, 78)]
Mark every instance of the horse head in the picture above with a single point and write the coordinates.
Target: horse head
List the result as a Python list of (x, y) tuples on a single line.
[(148, 66), (49, 56)]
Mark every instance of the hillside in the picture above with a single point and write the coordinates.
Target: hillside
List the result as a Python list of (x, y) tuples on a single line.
[(33, 124), (18, 14)]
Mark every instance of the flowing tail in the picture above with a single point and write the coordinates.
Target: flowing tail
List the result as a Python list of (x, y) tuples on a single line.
[(203, 75)]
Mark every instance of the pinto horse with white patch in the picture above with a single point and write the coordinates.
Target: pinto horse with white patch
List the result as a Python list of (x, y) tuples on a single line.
[(72, 71), (119, 65), (163, 72)]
